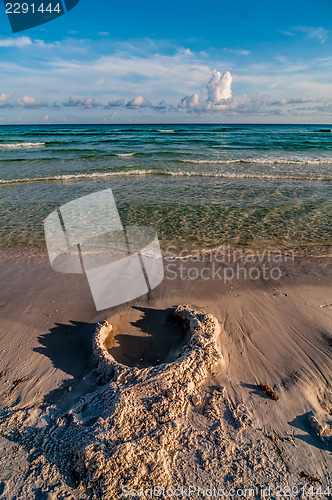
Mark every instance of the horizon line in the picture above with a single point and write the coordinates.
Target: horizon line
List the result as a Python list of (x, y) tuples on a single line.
[(155, 124)]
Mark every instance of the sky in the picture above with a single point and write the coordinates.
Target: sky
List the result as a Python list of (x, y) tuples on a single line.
[(171, 62)]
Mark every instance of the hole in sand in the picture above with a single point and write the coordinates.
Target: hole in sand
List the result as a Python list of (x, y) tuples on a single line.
[(146, 337)]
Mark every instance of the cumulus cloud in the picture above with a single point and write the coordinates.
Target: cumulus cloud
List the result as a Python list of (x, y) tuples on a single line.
[(191, 102), (4, 97), (27, 101), (266, 105), (300, 100), (216, 97), (119, 103), (138, 102), (82, 102), (219, 87), (164, 107)]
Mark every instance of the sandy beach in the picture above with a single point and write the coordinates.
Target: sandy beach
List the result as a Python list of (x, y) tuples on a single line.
[(226, 434)]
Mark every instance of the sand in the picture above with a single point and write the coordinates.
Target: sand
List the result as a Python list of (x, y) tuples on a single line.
[(79, 421)]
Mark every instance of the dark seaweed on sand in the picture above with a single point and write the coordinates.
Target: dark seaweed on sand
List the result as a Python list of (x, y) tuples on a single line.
[(265, 388)]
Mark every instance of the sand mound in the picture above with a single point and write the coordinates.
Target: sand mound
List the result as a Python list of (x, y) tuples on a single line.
[(145, 411), (143, 337), (128, 432)]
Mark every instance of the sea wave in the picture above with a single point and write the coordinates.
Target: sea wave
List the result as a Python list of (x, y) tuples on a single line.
[(264, 161), (165, 131), (124, 154), (69, 177), (142, 172), (16, 145), (230, 175)]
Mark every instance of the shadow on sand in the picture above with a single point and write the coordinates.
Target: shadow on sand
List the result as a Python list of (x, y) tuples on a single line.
[(301, 422), (69, 347), (155, 337)]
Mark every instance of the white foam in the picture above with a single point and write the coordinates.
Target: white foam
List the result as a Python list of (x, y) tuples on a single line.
[(166, 131), (179, 173), (229, 175), (18, 145), (68, 177), (265, 161), (124, 154)]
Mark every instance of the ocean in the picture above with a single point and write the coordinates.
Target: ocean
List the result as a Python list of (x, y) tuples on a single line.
[(198, 186)]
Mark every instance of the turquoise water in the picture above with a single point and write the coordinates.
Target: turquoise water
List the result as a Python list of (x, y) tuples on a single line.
[(198, 186)]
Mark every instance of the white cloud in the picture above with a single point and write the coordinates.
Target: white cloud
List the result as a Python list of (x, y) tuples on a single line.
[(118, 103), (184, 51), (85, 102), (138, 102), (26, 41), (143, 70), (287, 33), (27, 101), (239, 52), (21, 41), (219, 87), (265, 105), (217, 97), (4, 97), (159, 73), (191, 102), (301, 100), (163, 106), (312, 32), (317, 32)]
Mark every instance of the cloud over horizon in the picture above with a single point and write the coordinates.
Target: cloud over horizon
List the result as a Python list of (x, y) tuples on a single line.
[(216, 97), (79, 102), (4, 97), (157, 82), (27, 101)]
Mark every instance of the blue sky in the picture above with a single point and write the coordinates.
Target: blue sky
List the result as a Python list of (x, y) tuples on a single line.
[(179, 61)]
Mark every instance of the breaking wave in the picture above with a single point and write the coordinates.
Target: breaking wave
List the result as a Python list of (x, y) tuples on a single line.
[(179, 173), (17, 145)]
